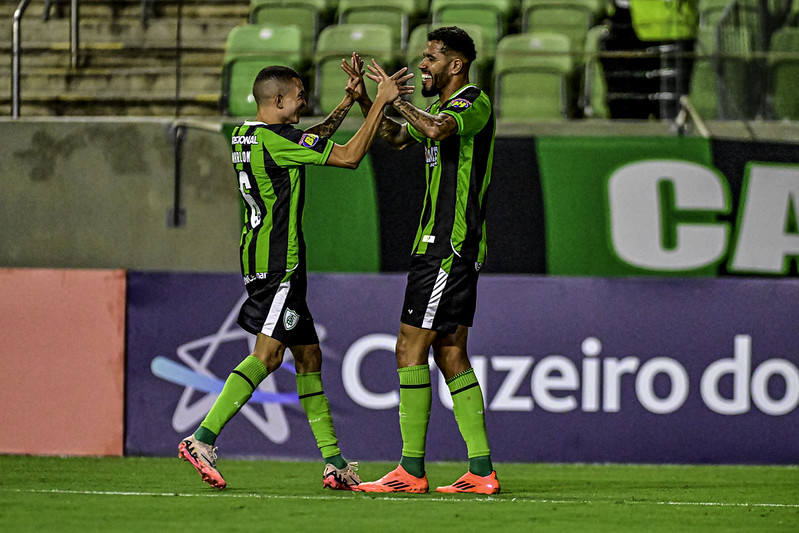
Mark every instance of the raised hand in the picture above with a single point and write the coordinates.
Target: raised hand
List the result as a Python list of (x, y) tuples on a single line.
[(390, 87), (355, 87)]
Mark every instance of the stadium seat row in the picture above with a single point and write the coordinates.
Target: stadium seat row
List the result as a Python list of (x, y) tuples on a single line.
[(496, 17), (550, 70), (540, 64), (315, 49)]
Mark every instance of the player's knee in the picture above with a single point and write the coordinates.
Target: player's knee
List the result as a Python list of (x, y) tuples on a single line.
[(307, 359), (271, 361)]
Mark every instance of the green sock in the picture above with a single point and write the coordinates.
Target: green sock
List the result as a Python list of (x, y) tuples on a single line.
[(238, 388), (317, 409), (337, 460), (413, 465), (414, 412), (467, 404)]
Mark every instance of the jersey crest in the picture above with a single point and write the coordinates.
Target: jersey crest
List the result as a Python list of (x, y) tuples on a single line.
[(290, 319)]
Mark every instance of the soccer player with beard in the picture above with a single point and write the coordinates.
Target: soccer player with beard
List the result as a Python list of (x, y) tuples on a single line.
[(448, 252)]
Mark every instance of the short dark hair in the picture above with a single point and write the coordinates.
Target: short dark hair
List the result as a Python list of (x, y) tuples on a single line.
[(455, 39), (275, 73)]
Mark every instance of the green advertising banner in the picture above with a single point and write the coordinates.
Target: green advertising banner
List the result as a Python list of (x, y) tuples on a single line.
[(340, 219), (618, 206)]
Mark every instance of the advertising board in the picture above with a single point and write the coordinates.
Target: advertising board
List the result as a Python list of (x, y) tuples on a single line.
[(654, 370)]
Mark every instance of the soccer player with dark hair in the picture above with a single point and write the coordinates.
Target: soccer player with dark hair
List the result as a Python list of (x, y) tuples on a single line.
[(269, 158), (450, 247)]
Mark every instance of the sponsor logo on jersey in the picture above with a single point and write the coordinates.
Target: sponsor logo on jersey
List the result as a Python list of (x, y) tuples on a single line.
[(290, 319), (252, 277), (460, 103), (431, 156), (244, 139), (308, 140), (429, 238)]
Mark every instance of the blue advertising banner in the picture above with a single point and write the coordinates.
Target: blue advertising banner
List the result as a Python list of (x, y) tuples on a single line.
[(656, 370)]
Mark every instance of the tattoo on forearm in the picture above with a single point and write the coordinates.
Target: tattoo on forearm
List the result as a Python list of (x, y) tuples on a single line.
[(329, 126), (411, 113), (416, 117)]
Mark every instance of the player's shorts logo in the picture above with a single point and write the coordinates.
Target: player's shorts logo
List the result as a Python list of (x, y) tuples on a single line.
[(460, 103), (290, 319), (308, 140)]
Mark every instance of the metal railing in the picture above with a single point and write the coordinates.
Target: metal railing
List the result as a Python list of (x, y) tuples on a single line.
[(148, 10), (16, 48), (15, 53)]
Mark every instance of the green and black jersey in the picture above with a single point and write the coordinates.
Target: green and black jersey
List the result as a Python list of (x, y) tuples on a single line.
[(458, 172), (269, 160)]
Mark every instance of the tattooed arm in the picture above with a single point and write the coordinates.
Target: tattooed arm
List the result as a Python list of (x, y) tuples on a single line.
[(436, 127), (389, 130), (329, 125)]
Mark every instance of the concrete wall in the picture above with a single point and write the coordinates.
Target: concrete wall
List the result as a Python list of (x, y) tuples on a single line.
[(96, 194)]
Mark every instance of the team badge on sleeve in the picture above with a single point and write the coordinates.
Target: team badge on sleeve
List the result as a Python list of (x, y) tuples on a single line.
[(460, 103), (308, 140)]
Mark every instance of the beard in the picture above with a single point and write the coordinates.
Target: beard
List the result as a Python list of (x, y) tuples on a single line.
[(432, 91)]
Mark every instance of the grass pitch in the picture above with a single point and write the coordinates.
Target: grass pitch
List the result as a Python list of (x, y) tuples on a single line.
[(161, 494)]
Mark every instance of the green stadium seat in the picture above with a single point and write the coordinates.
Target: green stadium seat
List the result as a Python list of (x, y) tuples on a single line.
[(304, 14), (594, 87), (793, 15), (783, 67), (710, 12), (720, 81), (250, 48), (570, 17), (480, 72), (395, 13), (743, 13), (337, 42), (421, 7), (532, 76), (492, 15)]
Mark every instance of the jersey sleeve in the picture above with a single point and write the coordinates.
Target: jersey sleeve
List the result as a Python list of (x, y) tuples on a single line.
[(293, 146), (413, 132), (471, 110)]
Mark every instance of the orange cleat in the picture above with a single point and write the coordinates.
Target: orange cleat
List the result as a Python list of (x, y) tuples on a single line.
[(469, 482), (398, 480)]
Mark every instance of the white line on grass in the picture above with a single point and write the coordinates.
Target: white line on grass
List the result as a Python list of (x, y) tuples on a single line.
[(393, 498)]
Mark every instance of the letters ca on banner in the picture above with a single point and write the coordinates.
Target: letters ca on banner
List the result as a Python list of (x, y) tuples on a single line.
[(668, 216)]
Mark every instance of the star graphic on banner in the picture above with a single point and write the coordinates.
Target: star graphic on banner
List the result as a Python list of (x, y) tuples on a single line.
[(196, 376)]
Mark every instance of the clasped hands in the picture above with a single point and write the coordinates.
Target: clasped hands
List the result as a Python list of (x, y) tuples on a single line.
[(389, 88)]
